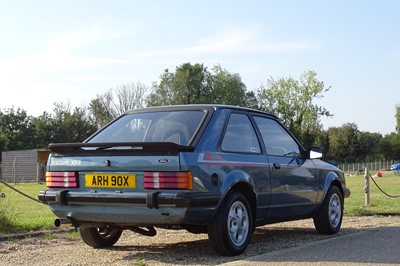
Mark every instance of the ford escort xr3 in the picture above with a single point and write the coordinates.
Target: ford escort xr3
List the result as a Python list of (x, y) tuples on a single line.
[(214, 169)]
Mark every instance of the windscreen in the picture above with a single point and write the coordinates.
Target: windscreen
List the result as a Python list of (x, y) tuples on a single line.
[(173, 126)]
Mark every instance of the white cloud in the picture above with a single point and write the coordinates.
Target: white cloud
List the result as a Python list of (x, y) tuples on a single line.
[(35, 82), (248, 40), (251, 39), (58, 55), (67, 42), (50, 63)]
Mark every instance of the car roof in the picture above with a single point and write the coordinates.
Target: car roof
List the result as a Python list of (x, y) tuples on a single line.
[(210, 107)]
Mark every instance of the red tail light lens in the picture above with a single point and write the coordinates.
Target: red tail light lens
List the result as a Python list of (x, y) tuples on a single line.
[(168, 180), (62, 179)]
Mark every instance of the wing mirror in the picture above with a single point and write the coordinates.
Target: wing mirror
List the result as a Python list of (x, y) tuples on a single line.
[(315, 152)]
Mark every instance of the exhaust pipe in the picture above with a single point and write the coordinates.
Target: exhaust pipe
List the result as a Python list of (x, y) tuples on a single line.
[(68, 222), (149, 231), (63, 222)]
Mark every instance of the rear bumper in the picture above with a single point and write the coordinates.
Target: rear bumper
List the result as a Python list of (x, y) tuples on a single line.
[(128, 208), (153, 200)]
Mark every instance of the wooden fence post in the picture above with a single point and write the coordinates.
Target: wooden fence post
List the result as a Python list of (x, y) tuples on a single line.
[(38, 172), (366, 188), (14, 170)]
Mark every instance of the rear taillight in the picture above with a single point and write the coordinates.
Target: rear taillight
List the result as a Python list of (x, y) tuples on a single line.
[(62, 179), (168, 180)]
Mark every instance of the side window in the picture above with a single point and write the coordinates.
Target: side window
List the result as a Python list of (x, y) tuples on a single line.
[(240, 136), (277, 140)]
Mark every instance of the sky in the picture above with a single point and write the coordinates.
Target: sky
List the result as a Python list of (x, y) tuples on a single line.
[(72, 51)]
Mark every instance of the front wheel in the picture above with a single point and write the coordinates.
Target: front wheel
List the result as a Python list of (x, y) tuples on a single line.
[(329, 217), (100, 237), (231, 229)]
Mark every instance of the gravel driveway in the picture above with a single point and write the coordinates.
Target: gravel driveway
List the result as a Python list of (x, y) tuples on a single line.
[(169, 247)]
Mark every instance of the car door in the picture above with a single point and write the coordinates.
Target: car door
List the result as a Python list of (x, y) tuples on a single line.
[(241, 148), (293, 178)]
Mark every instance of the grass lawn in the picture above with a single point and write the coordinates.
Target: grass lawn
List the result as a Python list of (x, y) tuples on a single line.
[(24, 214), (380, 204)]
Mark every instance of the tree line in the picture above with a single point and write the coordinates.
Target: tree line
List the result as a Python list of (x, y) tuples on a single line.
[(292, 100)]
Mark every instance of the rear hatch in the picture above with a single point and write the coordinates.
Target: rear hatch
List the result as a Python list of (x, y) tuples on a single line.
[(117, 166), (137, 151)]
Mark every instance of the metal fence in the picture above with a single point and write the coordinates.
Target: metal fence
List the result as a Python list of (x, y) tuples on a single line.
[(23, 166), (22, 169), (358, 168)]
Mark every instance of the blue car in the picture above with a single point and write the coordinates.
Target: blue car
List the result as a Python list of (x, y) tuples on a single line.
[(395, 167), (213, 169)]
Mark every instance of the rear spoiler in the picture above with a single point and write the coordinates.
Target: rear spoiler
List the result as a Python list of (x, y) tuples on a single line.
[(118, 148)]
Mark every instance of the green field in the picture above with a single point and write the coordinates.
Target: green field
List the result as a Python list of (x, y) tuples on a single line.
[(24, 214), (380, 204), (20, 214)]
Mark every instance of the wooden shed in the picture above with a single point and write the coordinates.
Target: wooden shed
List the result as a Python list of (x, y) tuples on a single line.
[(24, 166)]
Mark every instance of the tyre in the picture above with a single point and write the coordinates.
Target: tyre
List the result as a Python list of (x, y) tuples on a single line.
[(100, 237), (329, 217), (230, 231)]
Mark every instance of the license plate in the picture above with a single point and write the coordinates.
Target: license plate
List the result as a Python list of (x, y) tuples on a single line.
[(101, 180)]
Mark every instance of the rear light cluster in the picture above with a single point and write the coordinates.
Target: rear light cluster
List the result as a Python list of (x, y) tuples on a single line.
[(62, 179), (168, 180), (152, 180)]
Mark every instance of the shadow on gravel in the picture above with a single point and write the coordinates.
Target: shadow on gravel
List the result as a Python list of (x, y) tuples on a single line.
[(265, 240)]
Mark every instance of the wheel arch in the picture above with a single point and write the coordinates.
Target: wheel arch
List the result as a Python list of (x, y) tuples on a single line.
[(229, 233), (240, 181), (338, 184), (332, 179), (248, 191)]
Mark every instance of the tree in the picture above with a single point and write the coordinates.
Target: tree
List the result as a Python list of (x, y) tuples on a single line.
[(17, 132), (188, 85), (101, 109), (69, 126), (106, 107), (227, 88), (44, 130), (390, 146), (251, 100), (194, 84), (344, 143), (292, 101), (128, 97), (369, 146)]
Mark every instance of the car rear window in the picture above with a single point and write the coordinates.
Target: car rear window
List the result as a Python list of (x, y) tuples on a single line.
[(173, 126)]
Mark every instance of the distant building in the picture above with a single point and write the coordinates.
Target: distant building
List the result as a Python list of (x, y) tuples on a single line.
[(24, 166)]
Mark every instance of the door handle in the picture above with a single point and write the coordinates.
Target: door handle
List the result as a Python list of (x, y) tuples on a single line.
[(277, 166)]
